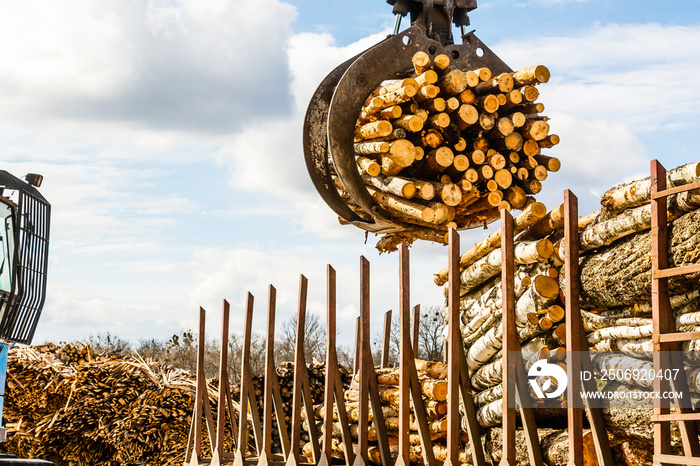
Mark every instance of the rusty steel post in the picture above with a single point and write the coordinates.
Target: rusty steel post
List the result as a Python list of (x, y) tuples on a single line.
[(510, 339), (667, 350), (364, 362), (458, 386), (356, 359), (193, 453), (329, 387), (455, 337), (247, 398), (403, 457), (660, 307), (332, 381), (416, 328), (223, 381), (580, 346), (224, 404), (386, 343), (574, 332), (264, 455)]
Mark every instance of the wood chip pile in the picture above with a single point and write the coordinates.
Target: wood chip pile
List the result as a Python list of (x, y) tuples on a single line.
[(615, 270), (450, 148)]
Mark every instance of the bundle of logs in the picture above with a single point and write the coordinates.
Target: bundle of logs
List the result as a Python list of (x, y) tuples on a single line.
[(450, 148), (615, 298)]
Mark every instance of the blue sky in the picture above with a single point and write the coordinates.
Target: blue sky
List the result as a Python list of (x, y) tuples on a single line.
[(169, 135)]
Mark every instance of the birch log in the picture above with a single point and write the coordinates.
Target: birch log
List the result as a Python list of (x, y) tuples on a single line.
[(541, 293), (525, 252), (487, 375), (554, 444), (634, 220), (526, 218), (638, 192), (485, 348)]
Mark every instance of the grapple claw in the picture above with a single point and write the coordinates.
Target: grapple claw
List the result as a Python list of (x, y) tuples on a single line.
[(336, 104)]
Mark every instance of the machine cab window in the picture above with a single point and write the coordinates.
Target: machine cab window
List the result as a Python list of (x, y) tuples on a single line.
[(7, 246)]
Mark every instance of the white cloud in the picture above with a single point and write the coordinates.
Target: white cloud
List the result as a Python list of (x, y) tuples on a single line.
[(268, 156), (611, 88), (636, 75), (313, 56), (186, 64)]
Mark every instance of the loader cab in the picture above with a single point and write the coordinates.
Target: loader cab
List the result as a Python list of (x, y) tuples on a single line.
[(24, 244), (24, 249)]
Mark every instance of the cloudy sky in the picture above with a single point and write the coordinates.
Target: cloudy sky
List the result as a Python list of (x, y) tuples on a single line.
[(169, 135)]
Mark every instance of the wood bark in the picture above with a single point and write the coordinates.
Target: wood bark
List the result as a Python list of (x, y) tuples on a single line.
[(403, 208), (634, 220), (527, 252), (531, 75), (391, 184), (638, 192), (629, 262), (541, 293)]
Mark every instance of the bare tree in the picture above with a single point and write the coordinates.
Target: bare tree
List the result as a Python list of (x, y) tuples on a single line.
[(430, 342), (256, 352), (314, 340), (108, 343)]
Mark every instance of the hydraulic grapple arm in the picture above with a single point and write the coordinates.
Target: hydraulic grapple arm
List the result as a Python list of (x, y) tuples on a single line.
[(336, 104)]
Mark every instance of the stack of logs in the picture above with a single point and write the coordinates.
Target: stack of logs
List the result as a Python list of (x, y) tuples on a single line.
[(285, 375), (615, 298), (432, 376), (450, 148), (110, 412), (66, 404)]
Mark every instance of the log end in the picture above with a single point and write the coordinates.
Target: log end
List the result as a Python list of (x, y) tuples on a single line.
[(545, 286)]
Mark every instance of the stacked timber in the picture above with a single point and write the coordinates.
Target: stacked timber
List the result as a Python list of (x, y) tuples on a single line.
[(111, 412), (615, 299), (449, 148), (432, 377), (66, 404), (285, 376)]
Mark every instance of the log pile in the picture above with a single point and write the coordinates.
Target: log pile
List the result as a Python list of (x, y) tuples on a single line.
[(285, 376), (105, 411), (66, 404), (615, 269), (432, 376), (449, 148)]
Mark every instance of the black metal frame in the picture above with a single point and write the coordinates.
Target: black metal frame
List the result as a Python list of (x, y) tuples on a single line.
[(21, 309)]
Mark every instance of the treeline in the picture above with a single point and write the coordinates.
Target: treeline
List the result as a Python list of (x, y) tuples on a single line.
[(180, 350)]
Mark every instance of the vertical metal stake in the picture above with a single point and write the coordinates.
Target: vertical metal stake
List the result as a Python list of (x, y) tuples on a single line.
[(386, 343), (510, 342)]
